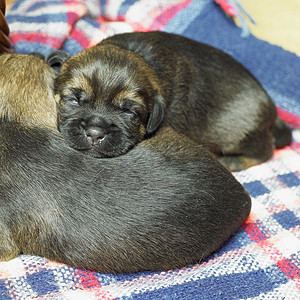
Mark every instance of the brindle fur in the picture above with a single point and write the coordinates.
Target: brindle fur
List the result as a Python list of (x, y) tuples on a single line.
[(194, 88), (165, 204)]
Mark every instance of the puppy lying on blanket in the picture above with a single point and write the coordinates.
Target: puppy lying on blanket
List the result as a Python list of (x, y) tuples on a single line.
[(165, 204), (113, 95)]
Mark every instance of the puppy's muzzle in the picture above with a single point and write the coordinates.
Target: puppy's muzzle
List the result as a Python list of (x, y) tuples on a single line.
[(96, 128)]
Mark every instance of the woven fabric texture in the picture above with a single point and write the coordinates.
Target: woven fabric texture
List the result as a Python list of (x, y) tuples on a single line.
[(262, 260)]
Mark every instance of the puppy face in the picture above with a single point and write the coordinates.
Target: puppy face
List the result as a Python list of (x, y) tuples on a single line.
[(27, 90), (109, 99)]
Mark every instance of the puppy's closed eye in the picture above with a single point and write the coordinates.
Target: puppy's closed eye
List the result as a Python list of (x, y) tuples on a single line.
[(134, 108), (76, 97), (74, 101)]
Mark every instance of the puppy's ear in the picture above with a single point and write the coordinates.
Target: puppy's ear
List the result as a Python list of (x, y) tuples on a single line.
[(157, 114), (57, 58)]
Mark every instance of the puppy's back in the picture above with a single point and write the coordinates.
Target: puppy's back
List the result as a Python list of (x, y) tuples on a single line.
[(146, 210)]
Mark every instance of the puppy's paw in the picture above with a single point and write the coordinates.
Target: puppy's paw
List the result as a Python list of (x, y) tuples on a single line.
[(282, 134), (8, 247), (236, 163)]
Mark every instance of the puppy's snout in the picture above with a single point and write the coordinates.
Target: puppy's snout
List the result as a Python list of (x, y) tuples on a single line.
[(96, 128), (94, 135)]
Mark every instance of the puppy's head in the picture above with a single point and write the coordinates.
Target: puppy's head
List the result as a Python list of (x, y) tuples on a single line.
[(27, 90), (109, 99)]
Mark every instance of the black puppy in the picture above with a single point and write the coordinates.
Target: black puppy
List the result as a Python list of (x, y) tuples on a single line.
[(165, 204), (113, 95)]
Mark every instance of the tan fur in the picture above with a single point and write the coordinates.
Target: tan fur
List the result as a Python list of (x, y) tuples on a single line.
[(26, 85)]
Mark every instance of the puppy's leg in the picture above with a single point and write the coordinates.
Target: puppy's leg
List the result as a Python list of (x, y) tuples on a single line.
[(238, 162), (282, 134), (8, 247), (257, 149)]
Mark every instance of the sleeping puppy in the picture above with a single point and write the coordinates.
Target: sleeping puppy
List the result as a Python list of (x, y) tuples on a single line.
[(114, 95), (109, 100), (165, 204)]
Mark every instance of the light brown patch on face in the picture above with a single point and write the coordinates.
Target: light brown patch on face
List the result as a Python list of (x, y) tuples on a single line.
[(108, 74), (127, 94), (26, 90), (79, 81)]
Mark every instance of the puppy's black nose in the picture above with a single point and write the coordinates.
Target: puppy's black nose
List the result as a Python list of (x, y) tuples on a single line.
[(94, 135)]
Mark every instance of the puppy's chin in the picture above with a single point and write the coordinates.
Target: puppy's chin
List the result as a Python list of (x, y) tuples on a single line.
[(104, 149), (97, 153)]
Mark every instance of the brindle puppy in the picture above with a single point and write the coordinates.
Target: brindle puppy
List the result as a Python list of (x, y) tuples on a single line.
[(113, 95), (165, 204)]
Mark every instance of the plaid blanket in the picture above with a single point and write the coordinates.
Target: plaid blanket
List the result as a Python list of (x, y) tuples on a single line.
[(262, 260)]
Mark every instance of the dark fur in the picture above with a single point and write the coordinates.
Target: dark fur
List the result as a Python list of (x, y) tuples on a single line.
[(165, 204), (194, 88)]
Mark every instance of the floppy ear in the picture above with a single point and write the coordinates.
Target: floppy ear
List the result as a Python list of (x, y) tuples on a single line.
[(57, 58), (157, 114)]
